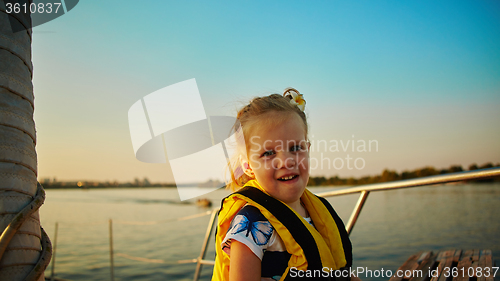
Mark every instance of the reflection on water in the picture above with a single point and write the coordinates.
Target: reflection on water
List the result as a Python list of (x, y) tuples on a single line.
[(392, 226)]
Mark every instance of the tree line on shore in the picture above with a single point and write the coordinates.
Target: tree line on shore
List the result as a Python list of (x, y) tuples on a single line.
[(54, 184), (390, 175), (386, 176)]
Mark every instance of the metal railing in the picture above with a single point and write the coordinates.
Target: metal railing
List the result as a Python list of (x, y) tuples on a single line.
[(365, 191), (438, 179), (112, 252)]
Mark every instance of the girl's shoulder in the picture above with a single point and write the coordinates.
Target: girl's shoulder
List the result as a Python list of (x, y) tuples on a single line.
[(250, 222), (252, 212)]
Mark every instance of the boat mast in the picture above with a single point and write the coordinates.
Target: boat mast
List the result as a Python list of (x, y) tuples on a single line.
[(24, 246)]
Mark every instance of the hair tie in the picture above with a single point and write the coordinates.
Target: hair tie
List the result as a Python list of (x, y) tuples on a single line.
[(295, 98)]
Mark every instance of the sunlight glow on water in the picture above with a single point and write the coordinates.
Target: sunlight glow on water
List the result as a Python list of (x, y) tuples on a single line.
[(392, 226)]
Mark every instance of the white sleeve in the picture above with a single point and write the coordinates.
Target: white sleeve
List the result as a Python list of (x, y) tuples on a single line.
[(251, 228)]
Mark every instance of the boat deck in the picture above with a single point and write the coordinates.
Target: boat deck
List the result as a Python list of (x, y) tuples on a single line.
[(448, 265)]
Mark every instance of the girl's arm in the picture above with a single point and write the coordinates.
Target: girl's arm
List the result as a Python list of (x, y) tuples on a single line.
[(244, 264)]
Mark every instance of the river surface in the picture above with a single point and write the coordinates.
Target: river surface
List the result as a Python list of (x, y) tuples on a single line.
[(392, 226)]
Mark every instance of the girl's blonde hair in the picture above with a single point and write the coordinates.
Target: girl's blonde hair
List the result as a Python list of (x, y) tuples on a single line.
[(250, 118)]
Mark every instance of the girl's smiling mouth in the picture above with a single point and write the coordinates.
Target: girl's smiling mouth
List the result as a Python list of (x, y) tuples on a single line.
[(288, 177)]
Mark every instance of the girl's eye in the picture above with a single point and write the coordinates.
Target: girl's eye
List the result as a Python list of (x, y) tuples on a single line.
[(267, 153), (296, 148)]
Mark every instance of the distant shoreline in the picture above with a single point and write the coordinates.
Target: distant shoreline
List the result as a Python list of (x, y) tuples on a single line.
[(386, 176), (74, 186)]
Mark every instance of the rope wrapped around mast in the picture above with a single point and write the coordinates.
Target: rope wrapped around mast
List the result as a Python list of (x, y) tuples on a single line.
[(25, 248), (14, 226)]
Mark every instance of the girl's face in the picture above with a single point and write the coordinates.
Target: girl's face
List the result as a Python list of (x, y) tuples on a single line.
[(279, 157)]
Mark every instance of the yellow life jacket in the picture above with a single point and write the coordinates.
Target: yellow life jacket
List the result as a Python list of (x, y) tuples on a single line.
[(326, 244)]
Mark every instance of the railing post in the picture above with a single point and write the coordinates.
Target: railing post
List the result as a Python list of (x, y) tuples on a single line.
[(204, 246), (54, 253), (357, 210), (111, 249)]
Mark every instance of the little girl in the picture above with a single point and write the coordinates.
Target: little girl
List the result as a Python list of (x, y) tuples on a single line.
[(272, 227)]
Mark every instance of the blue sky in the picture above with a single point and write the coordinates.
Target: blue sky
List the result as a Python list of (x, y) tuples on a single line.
[(422, 78)]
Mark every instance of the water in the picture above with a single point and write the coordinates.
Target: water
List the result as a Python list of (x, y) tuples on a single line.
[(393, 225)]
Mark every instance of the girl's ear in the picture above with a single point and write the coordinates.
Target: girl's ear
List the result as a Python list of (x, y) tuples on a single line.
[(246, 167)]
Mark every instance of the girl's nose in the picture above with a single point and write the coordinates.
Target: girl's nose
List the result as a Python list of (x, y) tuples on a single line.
[(284, 160), (290, 162)]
